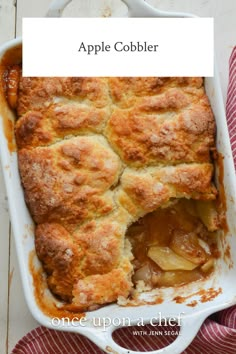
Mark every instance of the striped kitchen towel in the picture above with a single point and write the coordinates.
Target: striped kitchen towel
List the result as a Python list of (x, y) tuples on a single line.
[(231, 103), (216, 336)]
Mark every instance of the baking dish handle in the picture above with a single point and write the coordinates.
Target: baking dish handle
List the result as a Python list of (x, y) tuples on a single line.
[(140, 8), (56, 8), (136, 8), (188, 330)]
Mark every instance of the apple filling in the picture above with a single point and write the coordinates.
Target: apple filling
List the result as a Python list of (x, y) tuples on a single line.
[(175, 245)]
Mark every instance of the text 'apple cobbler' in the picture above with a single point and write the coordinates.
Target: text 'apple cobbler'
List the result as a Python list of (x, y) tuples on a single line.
[(117, 174)]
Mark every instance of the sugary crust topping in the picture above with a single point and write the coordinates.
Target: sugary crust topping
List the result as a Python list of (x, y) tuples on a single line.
[(154, 187), (95, 154), (69, 181), (41, 129), (37, 94), (93, 256), (126, 92), (167, 137), (101, 289), (59, 256)]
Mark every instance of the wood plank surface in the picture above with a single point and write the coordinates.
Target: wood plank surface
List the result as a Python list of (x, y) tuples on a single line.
[(7, 20), (4, 266), (7, 32), (20, 318)]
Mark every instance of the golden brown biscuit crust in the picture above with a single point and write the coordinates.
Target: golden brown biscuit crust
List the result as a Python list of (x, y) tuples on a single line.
[(69, 181), (95, 154), (182, 135)]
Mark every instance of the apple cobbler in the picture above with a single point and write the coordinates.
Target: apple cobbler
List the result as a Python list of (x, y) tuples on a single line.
[(118, 177)]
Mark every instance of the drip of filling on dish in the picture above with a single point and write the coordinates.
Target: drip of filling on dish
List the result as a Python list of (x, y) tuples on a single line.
[(118, 177)]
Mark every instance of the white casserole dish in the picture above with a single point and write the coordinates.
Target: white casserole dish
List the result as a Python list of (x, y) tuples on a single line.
[(220, 287)]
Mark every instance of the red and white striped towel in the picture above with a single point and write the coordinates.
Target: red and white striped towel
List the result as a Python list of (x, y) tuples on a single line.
[(231, 103), (216, 336)]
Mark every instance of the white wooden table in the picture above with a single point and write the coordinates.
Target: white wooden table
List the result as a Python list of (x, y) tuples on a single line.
[(15, 319)]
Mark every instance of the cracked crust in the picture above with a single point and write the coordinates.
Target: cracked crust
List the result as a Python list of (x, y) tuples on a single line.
[(155, 136), (96, 154), (69, 181)]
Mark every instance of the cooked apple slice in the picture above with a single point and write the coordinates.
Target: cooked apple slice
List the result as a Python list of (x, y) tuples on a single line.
[(208, 265), (166, 259), (187, 245), (143, 273), (206, 211), (176, 277)]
